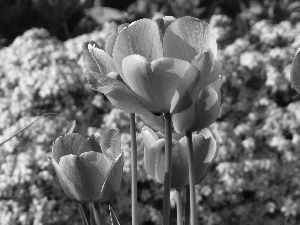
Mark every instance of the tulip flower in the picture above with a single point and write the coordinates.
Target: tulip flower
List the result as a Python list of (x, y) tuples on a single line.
[(203, 113), (163, 64), (205, 152), (89, 170), (295, 72)]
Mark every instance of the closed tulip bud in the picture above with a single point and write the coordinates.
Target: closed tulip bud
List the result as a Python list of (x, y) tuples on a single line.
[(205, 152), (295, 72), (89, 170)]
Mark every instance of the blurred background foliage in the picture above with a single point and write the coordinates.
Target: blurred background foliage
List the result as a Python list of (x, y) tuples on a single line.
[(255, 179)]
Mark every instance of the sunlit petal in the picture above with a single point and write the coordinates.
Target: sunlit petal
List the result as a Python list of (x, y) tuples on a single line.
[(141, 37), (187, 37), (73, 143)]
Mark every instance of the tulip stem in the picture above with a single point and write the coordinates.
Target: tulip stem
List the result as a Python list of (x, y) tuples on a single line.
[(179, 206), (187, 206), (84, 213), (168, 168), (191, 179), (133, 169), (97, 213)]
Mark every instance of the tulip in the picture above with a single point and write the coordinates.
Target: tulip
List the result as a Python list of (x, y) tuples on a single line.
[(203, 113), (205, 152), (163, 64), (89, 170), (295, 72)]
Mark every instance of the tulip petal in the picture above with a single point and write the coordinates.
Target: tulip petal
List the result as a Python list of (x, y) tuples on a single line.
[(94, 142), (113, 180), (182, 98), (88, 60), (186, 37), (159, 148), (169, 72), (164, 22), (204, 62), (72, 190), (149, 139), (141, 37), (180, 169), (139, 77), (111, 144), (179, 163), (119, 94), (69, 144), (205, 151), (155, 122), (122, 26), (94, 56), (110, 43), (94, 169), (70, 165), (213, 75), (201, 114), (295, 72)]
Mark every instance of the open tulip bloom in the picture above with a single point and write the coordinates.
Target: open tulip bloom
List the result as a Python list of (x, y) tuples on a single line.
[(164, 64), (205, 152), (295, 72), (89, 170)]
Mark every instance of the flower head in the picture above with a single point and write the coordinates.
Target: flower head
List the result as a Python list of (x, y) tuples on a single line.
[(163, 63), (205, 152), (89, 170)]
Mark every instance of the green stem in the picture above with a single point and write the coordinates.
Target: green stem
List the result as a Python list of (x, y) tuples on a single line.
[(191, 179), (97, 213), (168, 168), (187, 206), (92, 214), (133, 169), (179, 206), (84, 213)]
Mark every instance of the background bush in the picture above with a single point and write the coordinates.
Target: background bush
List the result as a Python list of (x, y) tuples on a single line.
[(255, 179)]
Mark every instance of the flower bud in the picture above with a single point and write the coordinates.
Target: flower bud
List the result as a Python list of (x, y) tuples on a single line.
[(89, 170), (205, 152)]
